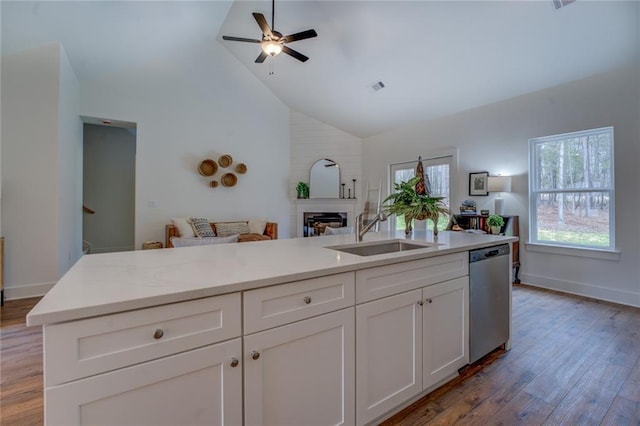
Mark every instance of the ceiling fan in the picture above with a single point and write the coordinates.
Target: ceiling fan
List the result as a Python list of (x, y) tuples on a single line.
[(273, 42)]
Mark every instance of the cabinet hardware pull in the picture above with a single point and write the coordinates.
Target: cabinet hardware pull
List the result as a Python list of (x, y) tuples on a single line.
[(420, 302), (255, 354), (429, 300), (234, 362), (158, 334), (307, 300)]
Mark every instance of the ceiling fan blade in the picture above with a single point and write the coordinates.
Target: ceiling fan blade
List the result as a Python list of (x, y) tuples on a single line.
[(261, 57), (248, 40), (262, 22), (300, 36), (299, 56)]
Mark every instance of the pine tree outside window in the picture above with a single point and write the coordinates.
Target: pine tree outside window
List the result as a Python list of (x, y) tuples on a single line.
[(571, 189)]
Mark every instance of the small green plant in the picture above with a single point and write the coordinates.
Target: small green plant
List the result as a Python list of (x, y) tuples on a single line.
[(495, 220), (303, 190)]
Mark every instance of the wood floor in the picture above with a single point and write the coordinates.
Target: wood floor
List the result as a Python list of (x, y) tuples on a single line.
[(575, 361), (20, 366)]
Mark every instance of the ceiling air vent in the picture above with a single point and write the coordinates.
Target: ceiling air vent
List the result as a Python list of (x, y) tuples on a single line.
[(377, 86), (562, 3)]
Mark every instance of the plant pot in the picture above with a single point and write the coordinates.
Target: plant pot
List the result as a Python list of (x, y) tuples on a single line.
[(495, 230)]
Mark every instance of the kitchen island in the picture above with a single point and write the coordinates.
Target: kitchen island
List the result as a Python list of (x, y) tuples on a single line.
[(276, 332)]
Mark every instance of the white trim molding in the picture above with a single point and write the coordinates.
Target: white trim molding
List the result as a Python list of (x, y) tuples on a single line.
[(27, 291), (588, 290), (613, 255)]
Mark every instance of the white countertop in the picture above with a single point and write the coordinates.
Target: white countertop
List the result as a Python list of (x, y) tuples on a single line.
[(100, 284)]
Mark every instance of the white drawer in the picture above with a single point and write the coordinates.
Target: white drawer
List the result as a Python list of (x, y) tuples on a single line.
[(281, 304), (387, 280), (95, 345)]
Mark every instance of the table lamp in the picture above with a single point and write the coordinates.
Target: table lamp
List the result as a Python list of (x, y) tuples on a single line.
[(499, 184)]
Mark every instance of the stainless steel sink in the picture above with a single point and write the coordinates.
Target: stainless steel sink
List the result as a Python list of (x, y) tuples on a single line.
[(380, 247)]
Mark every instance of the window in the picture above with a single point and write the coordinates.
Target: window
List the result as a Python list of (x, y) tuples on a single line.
[(439, 171), (571, 189)]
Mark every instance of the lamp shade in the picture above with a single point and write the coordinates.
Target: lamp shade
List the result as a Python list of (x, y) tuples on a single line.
[(499, 184)]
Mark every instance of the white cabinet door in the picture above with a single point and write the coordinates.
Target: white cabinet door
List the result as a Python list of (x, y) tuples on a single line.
[(446, 330), (389, 353), (201, 386), (302, 373)]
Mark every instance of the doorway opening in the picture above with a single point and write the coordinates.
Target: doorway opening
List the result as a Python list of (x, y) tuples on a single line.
[(108, 185)]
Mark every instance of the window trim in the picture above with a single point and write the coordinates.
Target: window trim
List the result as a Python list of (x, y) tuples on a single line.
[(545, 246)]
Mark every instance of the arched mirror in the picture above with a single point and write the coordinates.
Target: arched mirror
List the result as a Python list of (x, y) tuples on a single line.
[(324, 179)]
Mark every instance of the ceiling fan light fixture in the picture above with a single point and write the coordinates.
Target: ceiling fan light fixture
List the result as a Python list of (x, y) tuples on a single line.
[(271, 48)]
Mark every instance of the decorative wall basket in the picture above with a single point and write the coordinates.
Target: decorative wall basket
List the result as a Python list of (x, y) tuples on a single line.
[(225, 160), (229, 179), (207, 167)]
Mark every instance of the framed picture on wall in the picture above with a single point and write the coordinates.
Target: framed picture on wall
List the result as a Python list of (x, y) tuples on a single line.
[(478, 183)]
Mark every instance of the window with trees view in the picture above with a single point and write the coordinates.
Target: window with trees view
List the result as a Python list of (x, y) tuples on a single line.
[(438, 170), (571, 189)]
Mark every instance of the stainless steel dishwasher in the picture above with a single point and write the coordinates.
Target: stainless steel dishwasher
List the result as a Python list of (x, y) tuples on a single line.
[(488, 300)]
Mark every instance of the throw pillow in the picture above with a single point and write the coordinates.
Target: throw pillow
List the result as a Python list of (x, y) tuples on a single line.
[(257, 226), (184, 227), (224, 229), (194, 241), (201, 227)]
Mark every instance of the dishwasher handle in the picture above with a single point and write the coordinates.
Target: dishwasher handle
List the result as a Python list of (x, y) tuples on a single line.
[(491, 253), (487, 253)]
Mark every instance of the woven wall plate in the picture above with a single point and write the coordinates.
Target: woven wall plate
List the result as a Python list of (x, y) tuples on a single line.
[(213, 184), (228, 179), (241, 168), (225, 160), (207, 167)]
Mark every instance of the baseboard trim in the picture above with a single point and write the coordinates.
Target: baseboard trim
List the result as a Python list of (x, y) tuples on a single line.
[(595, 292), (27, 291)]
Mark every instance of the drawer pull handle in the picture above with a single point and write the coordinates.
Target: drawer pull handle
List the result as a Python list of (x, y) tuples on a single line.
[(234, 362), (429, 300), (255, 355), (420, 302), (158, 334), (307, 300)]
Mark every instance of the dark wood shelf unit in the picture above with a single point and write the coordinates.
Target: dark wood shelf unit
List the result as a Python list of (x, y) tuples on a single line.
[(511, 227)]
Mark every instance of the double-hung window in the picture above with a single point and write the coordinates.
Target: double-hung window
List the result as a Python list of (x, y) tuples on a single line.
[(439, 170), (571, 189)]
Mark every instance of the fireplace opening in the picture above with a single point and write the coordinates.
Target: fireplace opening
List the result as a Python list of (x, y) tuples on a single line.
[(316, 222)]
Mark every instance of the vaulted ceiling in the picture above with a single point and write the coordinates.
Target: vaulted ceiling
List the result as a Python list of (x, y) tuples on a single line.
[(435, 58)]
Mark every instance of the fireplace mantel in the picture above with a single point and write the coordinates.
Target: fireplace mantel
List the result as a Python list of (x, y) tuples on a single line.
[(347, 205)]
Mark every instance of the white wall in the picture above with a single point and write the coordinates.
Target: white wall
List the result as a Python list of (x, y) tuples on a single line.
[(109, 188), (40, 195), (312, 140), (495, 138), (190, 108), (69, 201)]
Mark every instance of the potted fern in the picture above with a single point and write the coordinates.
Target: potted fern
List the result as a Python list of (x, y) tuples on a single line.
[(495, 223), (407, 202)]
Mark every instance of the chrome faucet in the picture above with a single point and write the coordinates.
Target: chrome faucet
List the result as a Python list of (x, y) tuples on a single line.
[(360, 230)]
